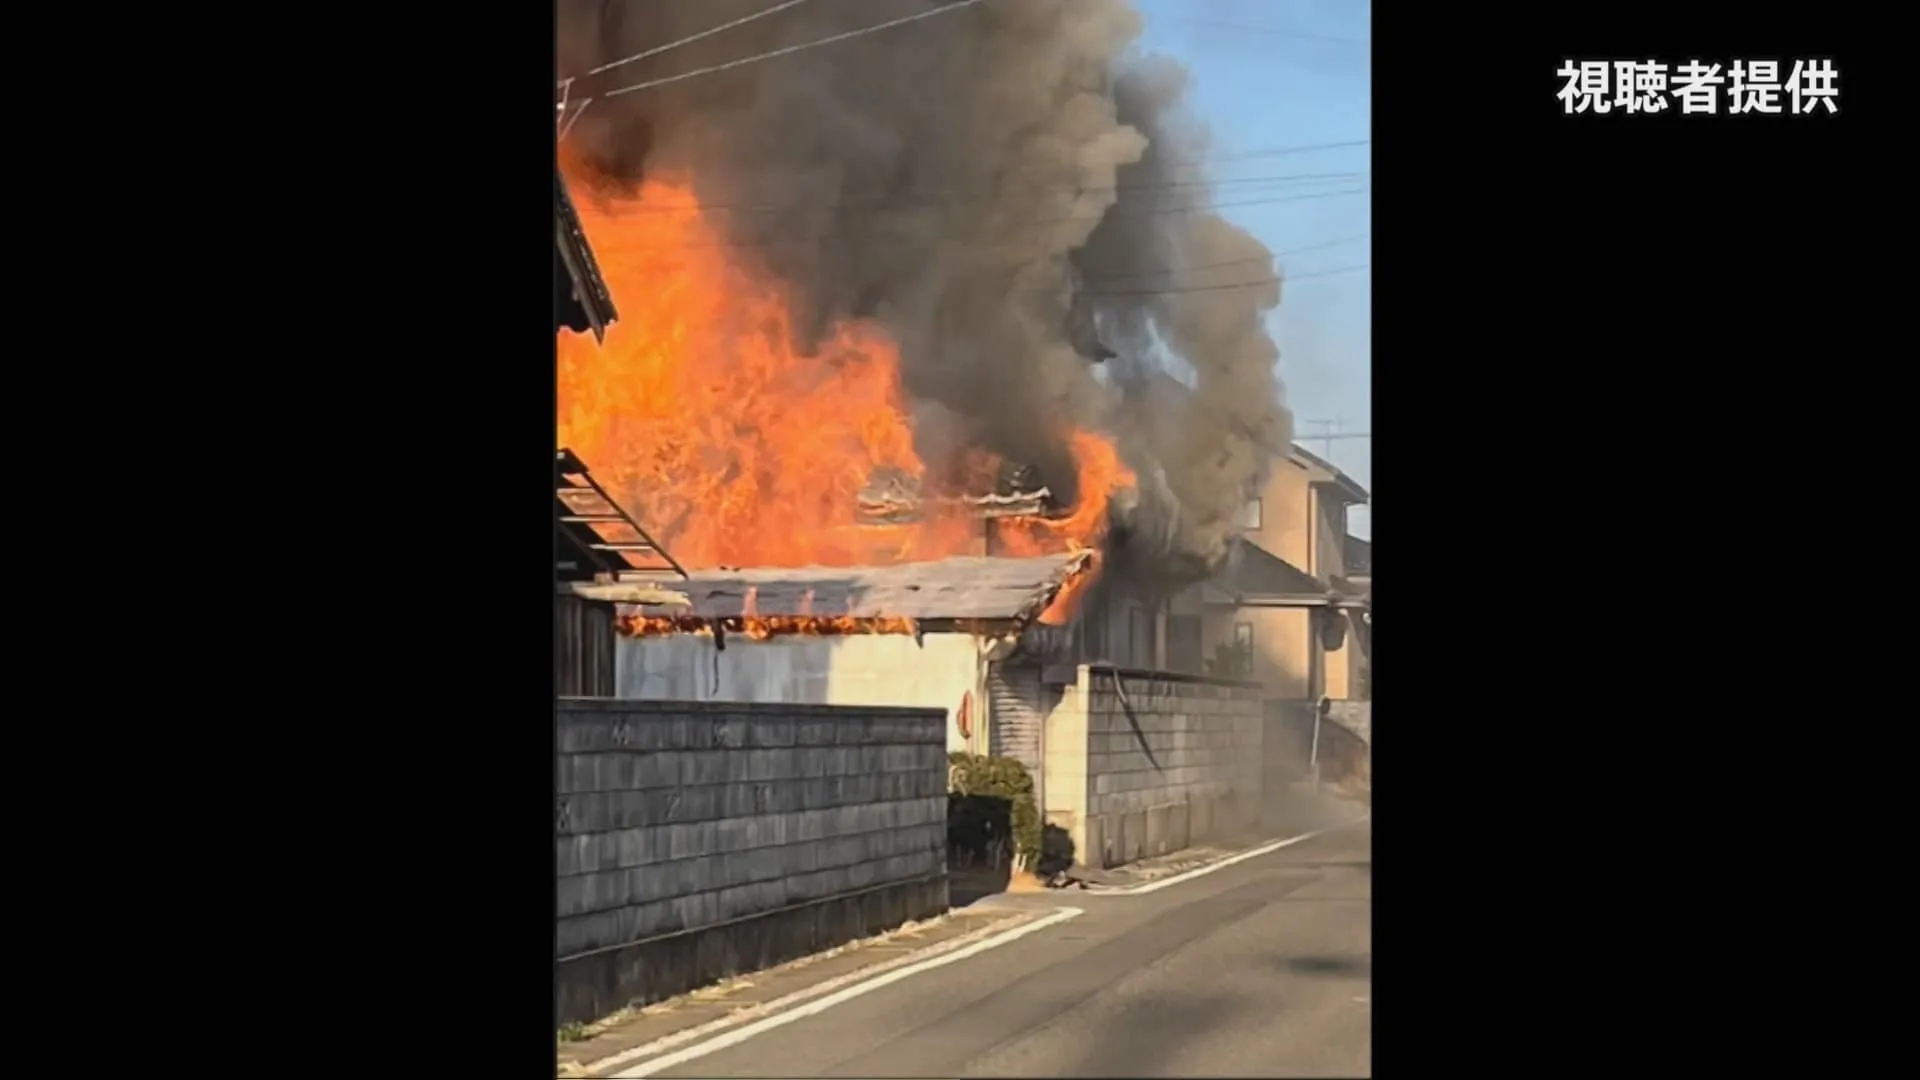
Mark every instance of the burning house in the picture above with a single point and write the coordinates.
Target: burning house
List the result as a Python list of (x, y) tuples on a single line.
[(881, 380), (833, 555), (879, 418), (987, 632)]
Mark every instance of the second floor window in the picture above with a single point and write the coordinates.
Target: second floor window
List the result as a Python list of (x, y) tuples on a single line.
[(1250, 515)]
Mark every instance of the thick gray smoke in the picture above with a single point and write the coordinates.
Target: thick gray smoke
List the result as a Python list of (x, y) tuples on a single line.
[(1004, 188)]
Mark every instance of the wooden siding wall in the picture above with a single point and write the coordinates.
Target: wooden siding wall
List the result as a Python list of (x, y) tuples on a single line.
[(582, 648)]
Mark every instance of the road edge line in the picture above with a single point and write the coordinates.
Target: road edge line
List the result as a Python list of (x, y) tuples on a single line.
[(806, 993), (1201, 871), (739, 1027)]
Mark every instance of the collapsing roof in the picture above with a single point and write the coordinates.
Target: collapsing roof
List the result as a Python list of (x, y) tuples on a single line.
[(895, 499), (897, 506), (580, 297), (964, 589)]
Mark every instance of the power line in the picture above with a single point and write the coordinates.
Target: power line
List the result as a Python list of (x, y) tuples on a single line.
[(690, 39), (1281, 151), (1285, 150), (1268, 257), (566, 85), (1149, 212), (828, 40), (1195, 163), (1248, 155), (1326, 438), (984, 194), (1282, 280), (1272, 30)]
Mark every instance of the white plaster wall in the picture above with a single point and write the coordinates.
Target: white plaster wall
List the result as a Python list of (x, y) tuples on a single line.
[(935, 671)]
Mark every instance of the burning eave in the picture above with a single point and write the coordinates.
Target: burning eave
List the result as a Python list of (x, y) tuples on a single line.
[(985, 597), (587, 293), (639, 594), (764, 627), (1075, 574)]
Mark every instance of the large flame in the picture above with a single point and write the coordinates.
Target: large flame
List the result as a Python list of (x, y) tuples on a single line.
[(1101, 473), (700, 415)]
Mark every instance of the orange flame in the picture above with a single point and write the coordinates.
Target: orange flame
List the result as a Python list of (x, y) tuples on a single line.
[(761, 627), (703, 418), (1101, 473)]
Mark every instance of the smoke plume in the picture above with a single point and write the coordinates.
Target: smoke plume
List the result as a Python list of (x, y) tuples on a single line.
[(1004, 188)]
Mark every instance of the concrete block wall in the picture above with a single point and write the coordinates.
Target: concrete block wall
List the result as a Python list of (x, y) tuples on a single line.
[(696, 840), (1356, 717), (1345, 740), (1142, 763)]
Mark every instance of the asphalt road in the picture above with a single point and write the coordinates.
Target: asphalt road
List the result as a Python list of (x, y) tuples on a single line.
[(1260, 969)]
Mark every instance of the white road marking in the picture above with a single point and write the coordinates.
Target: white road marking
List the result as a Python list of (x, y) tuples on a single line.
[(787, 1001), (1202, 871), (728, 1031), (739, 1035)]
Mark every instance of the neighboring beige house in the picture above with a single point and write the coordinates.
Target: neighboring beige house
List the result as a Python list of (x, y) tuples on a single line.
[(1291, 609), (1358, 582), (1287, 609)]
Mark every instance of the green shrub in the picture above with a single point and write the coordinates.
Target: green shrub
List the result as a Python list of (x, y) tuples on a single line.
[(977, 775)]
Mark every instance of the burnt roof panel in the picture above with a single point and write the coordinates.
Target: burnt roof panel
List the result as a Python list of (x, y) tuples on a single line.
[(986, 589)]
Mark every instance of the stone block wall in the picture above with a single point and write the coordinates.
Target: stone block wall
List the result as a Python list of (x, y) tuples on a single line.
[(694, 841)]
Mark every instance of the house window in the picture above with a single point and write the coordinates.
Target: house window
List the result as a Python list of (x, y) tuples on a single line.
[(1250, 515), (1243, 650), (1233, 660)]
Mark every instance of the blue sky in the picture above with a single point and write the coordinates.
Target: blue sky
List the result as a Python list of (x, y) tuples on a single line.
[(1281, 74)]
